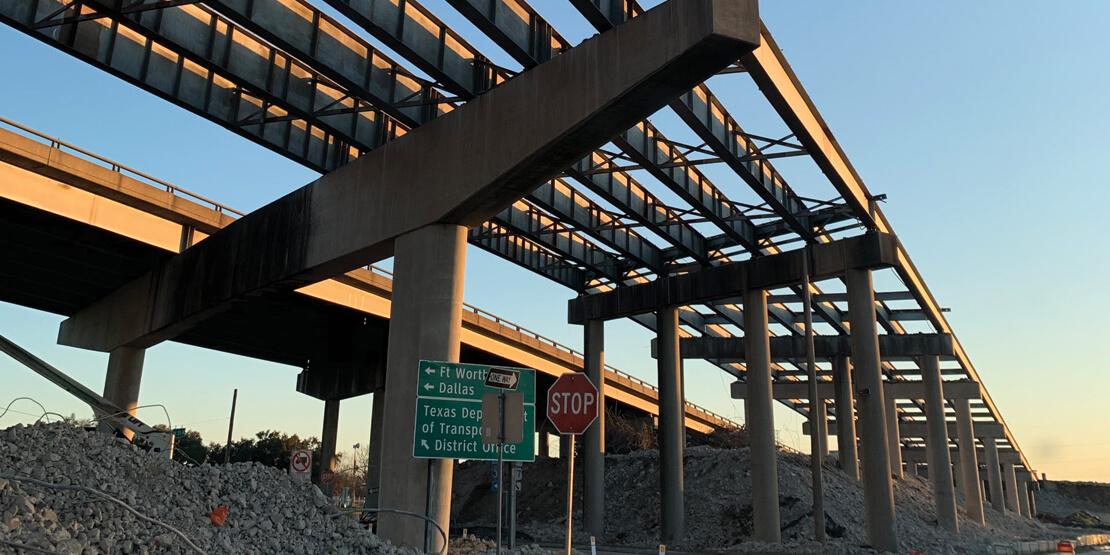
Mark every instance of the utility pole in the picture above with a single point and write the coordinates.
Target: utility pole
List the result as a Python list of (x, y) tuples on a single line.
[(230, 427)]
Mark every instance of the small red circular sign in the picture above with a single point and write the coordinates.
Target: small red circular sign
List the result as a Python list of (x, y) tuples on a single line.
[(327, 476), (572, 403)]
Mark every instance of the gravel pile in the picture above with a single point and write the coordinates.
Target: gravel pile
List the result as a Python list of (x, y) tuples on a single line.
[(268, 512), (718, 506)]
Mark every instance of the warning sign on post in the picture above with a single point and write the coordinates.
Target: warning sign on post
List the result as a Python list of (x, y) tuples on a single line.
[(301, 462)]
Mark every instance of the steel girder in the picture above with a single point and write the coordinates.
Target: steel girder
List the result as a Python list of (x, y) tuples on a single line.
[(503, 242), (412, 30), (210, 40), (174, 77), (322, 42)]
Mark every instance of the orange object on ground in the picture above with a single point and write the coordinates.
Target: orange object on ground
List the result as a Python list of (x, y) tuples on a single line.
[(1064, 546), (219, 516)]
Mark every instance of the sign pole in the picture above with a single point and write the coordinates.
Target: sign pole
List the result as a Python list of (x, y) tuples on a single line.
[(570, 489), (500, 465), (514, 484)]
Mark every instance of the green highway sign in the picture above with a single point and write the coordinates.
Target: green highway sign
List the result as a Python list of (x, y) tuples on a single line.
[(451, 380), (449, 413)]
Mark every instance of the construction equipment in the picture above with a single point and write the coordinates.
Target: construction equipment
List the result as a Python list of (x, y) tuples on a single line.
[(156, 442)]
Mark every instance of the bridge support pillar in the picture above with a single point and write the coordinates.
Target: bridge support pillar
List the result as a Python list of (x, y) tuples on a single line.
[(543, 445), (1033, 502), (327, 441), (936, 444), (911, 469), (594, 445), (671, 424), (121, 383), (845, 417), (969, 461), (994, 474), (425, 324), (878, 494), (893, 440), (823, 425), (766, 524), (374, 450), (1011, 485)]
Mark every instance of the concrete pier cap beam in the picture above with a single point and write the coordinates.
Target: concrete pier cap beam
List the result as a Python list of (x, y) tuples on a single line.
[(352, 216)]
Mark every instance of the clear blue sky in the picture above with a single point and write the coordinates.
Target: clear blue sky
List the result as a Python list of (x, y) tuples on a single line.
[(984, 123)]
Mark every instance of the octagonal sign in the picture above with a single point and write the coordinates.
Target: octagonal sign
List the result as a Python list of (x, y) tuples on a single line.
[(572, 403)]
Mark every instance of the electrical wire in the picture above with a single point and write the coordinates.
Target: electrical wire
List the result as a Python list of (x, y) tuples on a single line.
[(27, 547), (103, 495), (439, 529), (44, 411)]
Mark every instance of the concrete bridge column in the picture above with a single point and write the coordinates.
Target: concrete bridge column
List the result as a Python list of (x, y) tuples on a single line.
[(761, 420), (374, 451), (1012, 494), (893, 440), (121, 383), (1033, 502), (936, 445), (327, 442), (823, 426), (994, 474), (425, 324), (845, 417), (594, 444), (544, 445), (911, 469), (969, 461), (878, 494), (671, 424)]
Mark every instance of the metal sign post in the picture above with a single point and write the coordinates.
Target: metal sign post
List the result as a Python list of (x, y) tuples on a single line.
[(515, 487), (500, 462), (501, 379), (572, 405)]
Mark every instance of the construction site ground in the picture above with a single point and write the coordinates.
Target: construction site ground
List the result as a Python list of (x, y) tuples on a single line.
[(719, 513)]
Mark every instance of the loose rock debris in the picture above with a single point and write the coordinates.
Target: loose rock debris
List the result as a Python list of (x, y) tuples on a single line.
[(718, 506)]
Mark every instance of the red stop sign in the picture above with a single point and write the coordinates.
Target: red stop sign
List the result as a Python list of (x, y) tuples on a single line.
[(572, 403), (327, 476)]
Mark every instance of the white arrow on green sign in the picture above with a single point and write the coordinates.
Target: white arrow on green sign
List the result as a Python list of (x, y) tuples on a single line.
[(449, 413)]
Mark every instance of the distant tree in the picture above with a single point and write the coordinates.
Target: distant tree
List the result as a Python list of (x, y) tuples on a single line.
[(188, 448), (73, 420), (350, 471), (269, 447)]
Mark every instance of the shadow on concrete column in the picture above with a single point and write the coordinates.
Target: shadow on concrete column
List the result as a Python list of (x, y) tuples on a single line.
[(671, 421), (1023, 497), (1011, 487), (766, 520), (374, 451), (994, 474), (936, 445), (425, 324), (823, 426), (845, 417), (893, 441), (327, 442), (878, 494), (969, 461), (594, 444), (121, 383)]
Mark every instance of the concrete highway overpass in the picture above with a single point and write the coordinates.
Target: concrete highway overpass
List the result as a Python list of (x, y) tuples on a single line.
[(76, 227), (557, 131)]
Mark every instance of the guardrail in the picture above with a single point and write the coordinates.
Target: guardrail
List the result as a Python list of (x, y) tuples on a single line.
[(119, 168)]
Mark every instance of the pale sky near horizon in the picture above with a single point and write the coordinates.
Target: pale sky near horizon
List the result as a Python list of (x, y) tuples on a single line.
[(984, 123)]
